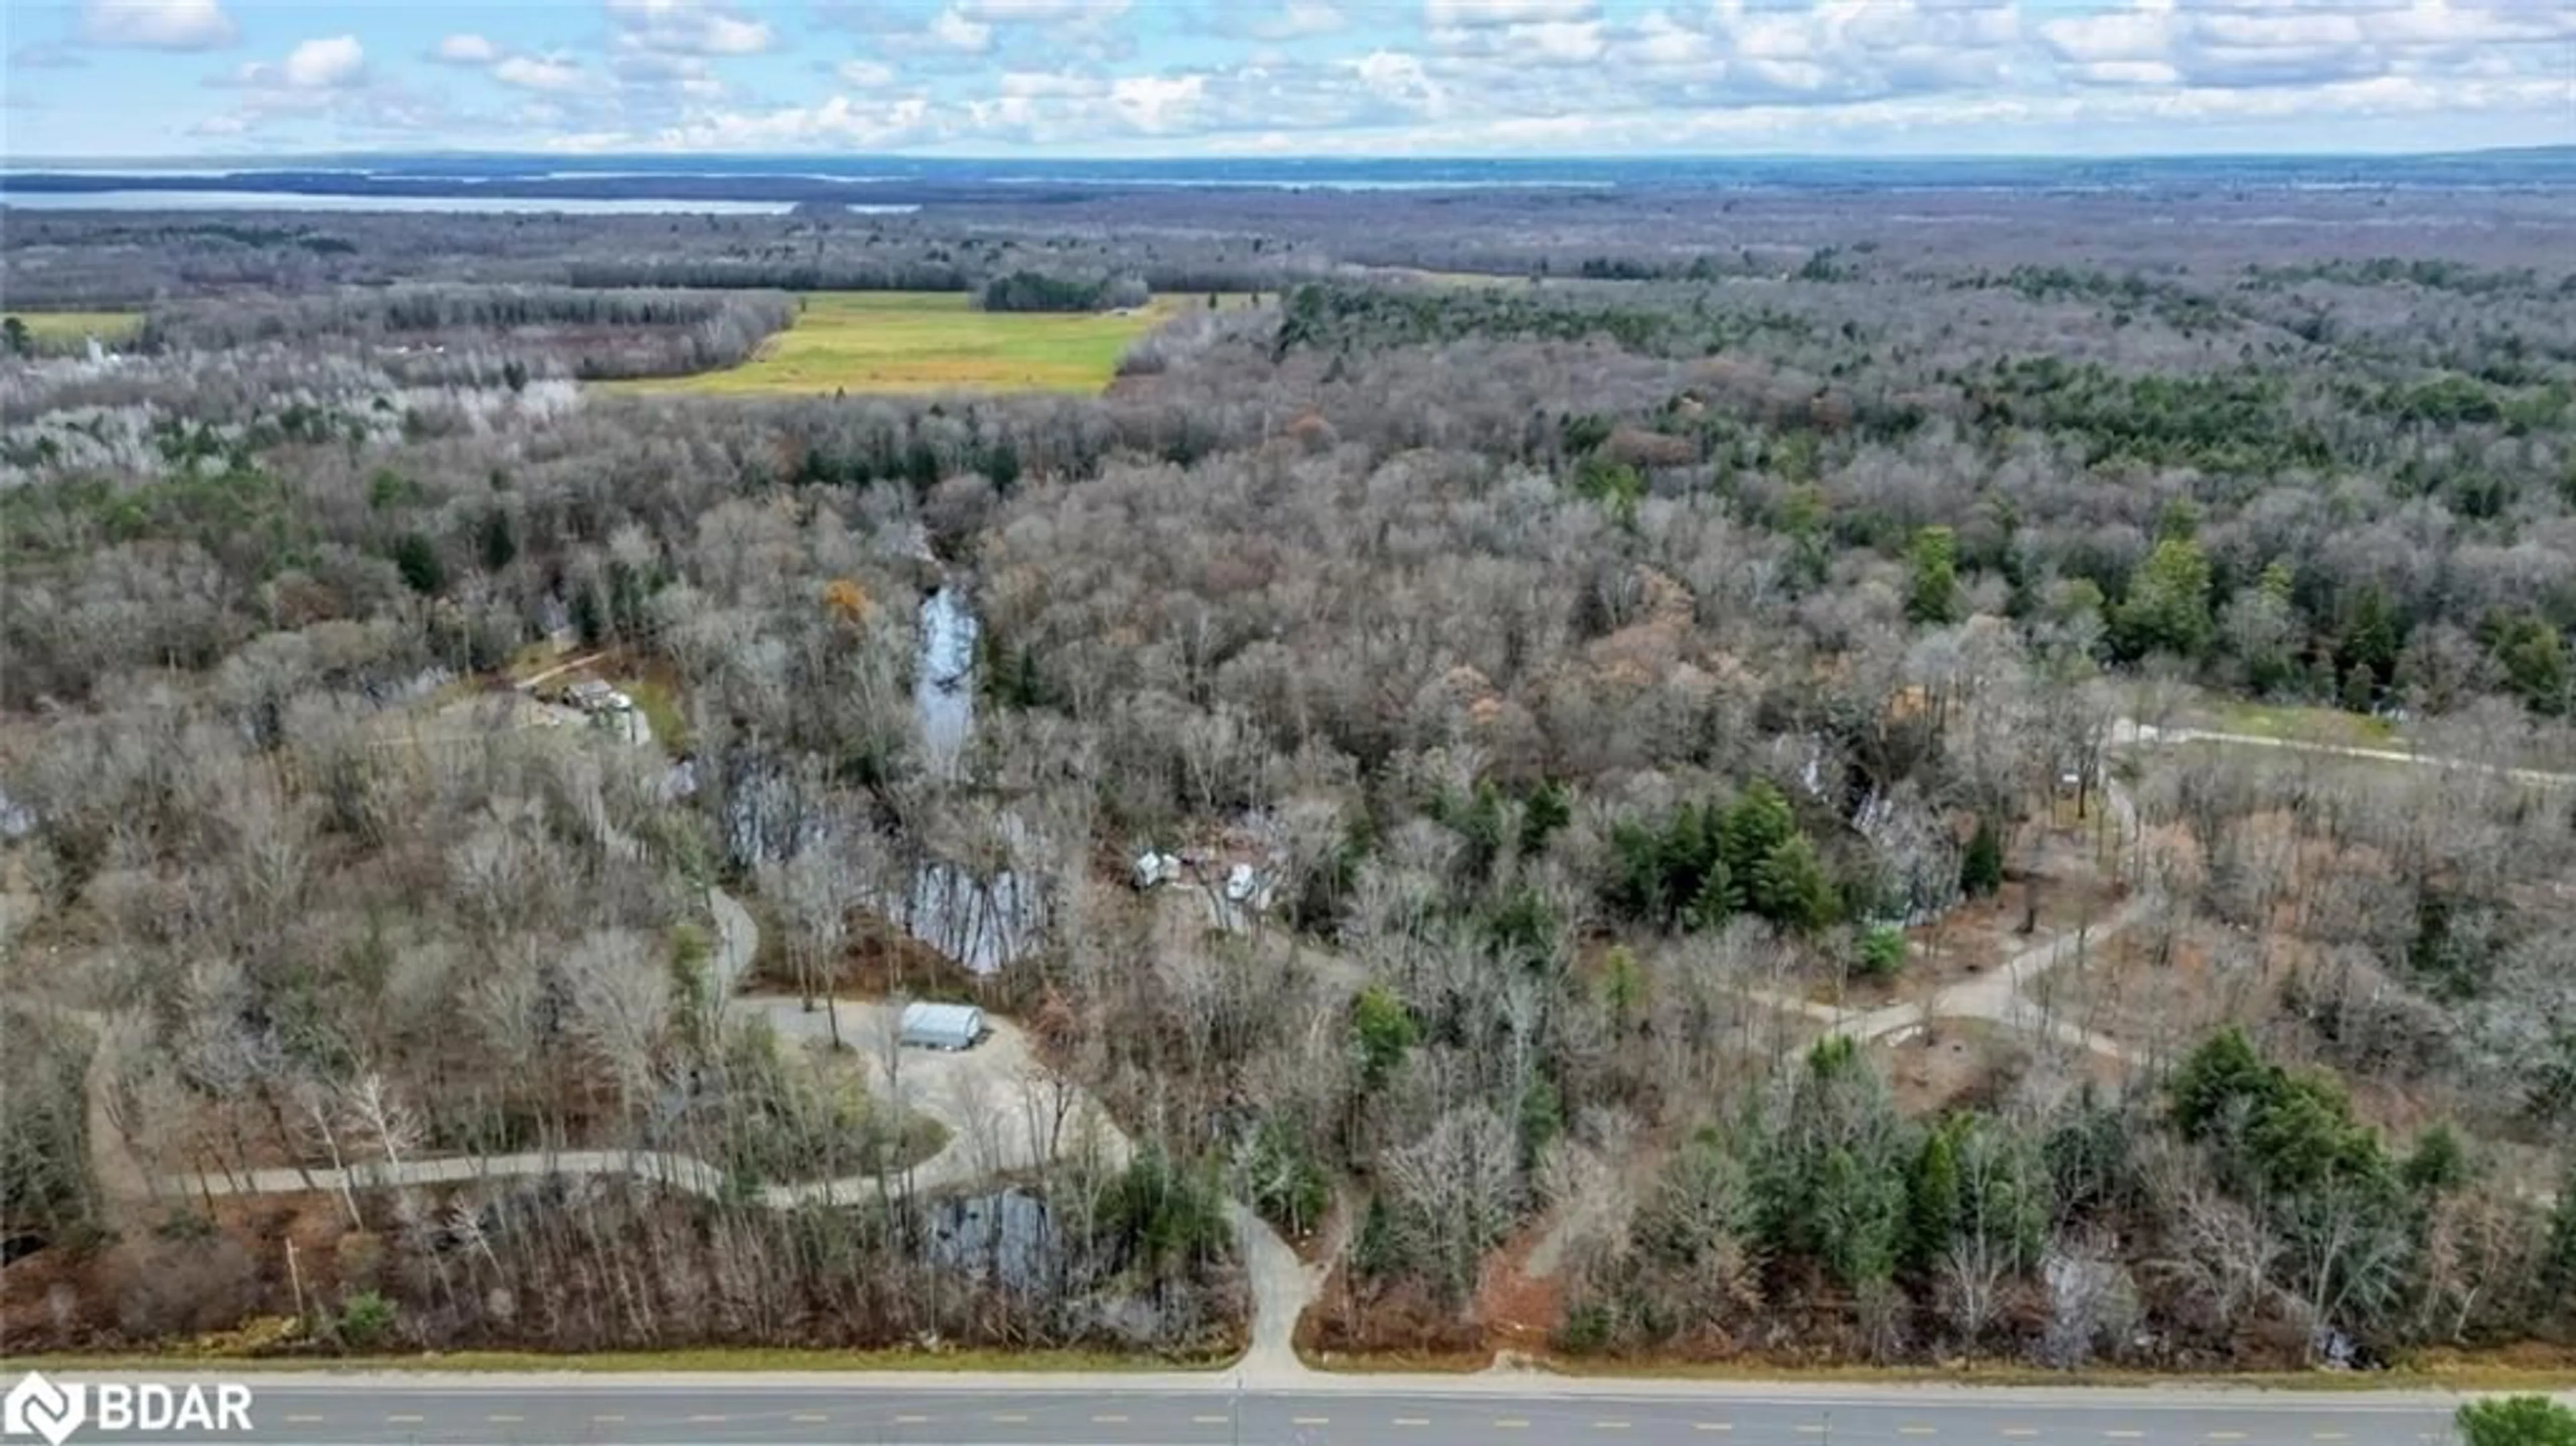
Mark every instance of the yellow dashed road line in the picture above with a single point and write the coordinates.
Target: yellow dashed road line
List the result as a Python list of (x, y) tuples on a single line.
[(505, 1420), (1915, 1431), (1209, 1420), (1412, 1421), (1310, 1420), (912, 1420), (1609, 1425), (302, 1420), (1012, 1416), (809, 1418), (402, 1420), (1712, 1425), (1108, 1420), (1510, 1423)]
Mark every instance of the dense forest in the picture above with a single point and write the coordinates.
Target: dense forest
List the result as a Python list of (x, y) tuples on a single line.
[(1827, 780)]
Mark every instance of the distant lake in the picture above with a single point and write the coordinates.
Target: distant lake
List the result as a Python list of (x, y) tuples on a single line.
[(451, 205)]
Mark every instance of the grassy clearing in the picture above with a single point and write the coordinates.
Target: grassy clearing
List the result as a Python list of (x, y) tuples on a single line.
[(660, 703), (57, 329), (928, 341), (2294, 723)]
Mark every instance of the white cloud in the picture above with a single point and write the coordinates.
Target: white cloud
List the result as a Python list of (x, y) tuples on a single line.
[(832, 122), (336, 62), (1038, 12), (1475, 76), (656, 75), (45, 57), (956, 31), (158, 24), (466, 49), (1048, 82), (536, 72), (1545, 42), (1300, 18), (687, 27), (1451, 14), (1157, 105), (326, 64), (2139, 32), (2129, 72), (1398, 79), (1660, 42), (2259, 44)]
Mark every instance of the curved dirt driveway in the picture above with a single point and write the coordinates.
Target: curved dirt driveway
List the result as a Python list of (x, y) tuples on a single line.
[(1004, 1112)]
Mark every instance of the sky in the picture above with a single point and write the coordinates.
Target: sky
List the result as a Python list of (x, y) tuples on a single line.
[(1366, 78)]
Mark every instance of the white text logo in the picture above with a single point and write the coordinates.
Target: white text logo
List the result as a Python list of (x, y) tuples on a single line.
[(38, 1407), (54, 1410)]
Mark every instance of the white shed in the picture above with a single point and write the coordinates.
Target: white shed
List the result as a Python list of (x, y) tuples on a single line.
[(941, 1026), (1156, 868)]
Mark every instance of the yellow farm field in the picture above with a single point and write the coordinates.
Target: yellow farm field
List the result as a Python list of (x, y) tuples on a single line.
[(56, 329), (928, 341)]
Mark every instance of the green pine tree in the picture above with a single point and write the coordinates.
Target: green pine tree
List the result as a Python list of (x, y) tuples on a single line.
[(1933, 1213), (2167, 607), (1790, 888), (1981, 869), (1932, 596), (1758, 822)]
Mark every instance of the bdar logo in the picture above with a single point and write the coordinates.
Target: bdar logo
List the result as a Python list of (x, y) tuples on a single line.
[(38, 1407)]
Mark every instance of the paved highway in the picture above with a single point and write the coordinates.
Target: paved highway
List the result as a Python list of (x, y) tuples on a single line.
[(366, 1410)]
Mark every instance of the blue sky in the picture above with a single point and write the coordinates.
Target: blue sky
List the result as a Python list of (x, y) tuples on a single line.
[(166, 78)]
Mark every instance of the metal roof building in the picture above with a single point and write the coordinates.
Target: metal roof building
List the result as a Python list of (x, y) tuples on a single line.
[(941, 1026)]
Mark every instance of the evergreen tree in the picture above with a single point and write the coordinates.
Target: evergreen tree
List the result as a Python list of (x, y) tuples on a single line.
[(416, 558), (2533, 659), (2167, 607), (1932, 596), (1882, 952), (1758, 822), (1383, 1032), (1981, 869), (2438, 1164), (2372, 638), (589, 619), (498, 540), (1716, 899), (2558, 1258), (1790, 888), (1547, 810), (1933, 1205)]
